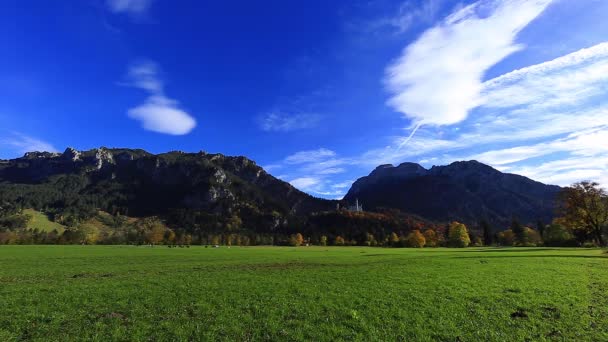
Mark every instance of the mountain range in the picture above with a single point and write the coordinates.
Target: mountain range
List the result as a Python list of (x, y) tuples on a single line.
[(466, 191), (213, 191)]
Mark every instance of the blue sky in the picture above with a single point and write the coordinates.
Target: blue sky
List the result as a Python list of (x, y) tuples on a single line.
[(317, 92)]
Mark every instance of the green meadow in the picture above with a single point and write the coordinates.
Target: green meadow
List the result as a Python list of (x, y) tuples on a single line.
[(104, 293)]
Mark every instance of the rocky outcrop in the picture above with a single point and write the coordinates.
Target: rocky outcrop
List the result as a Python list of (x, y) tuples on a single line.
[(103, 157), (71, 154)]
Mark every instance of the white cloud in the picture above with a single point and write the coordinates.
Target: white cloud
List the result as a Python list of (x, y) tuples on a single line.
[(548, 115), (437, 80), (312, 170), (310, 156), (585, 143), (22, 143), (134, 7), (158, 113), (277, 121), (305, 183), (564, 81), (566, 171)]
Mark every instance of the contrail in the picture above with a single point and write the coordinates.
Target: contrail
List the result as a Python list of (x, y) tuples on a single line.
[(410, 137)]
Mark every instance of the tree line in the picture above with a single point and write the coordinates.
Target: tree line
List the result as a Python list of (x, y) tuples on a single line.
[(582, 220)]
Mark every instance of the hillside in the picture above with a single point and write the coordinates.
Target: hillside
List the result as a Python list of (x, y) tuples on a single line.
[(466, 191), (203, 193), (199, 191), (41, 222)]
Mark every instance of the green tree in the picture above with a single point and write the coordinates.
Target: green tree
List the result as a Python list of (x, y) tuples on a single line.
[(487, 232), (540, 227), (518, 231), (323, 240), (557, 235), (458, 235), (370, 240), (531, 238)]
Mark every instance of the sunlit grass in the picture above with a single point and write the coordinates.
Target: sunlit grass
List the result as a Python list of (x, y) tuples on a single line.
[(41, 222)]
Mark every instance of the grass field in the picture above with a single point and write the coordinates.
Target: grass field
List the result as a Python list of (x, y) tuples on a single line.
[(268, 293)]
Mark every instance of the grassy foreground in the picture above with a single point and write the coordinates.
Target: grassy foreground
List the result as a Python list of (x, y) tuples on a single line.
[(139, 293)]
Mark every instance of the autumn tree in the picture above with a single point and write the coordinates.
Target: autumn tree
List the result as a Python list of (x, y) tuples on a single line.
[(169, 237), (90, 233), (531, 237), (432, 240), (415, 239), (506, 238), (296, 240), (458, 235), (155, 234), (584, 207), (339, 241)]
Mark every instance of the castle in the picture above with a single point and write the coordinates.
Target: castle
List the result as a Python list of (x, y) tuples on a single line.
[(356, 208)]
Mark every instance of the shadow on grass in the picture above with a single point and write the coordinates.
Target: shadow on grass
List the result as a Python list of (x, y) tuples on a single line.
[(605, 257), (519, 249)]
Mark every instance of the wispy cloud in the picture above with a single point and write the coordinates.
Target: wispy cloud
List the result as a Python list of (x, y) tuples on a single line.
[(305, 183), (133, 7), (21, 143), (158, 113), (529, 120), (310, 156), (438, 79), (278, 121), (391, 19), (408, 14), (312, 170)]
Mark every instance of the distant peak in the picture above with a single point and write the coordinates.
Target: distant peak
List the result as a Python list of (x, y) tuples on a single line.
[(384, 166), (410, 165), (406, 169)]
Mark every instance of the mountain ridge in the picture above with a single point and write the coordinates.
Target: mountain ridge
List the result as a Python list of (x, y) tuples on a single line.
[(218, 187), (211, 187), (468, 191)]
